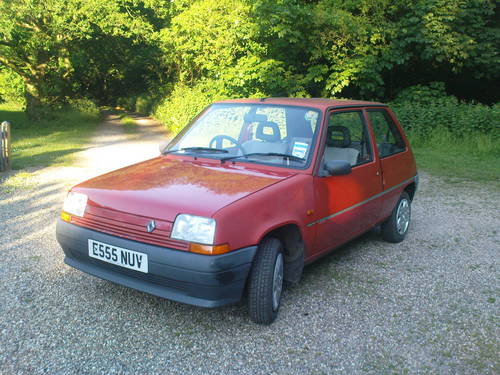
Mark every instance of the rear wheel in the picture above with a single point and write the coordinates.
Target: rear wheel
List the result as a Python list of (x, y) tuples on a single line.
[(265, 284), (394, 229)]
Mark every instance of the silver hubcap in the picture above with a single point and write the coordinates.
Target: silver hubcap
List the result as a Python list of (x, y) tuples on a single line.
[(403, 216), (277, 281)]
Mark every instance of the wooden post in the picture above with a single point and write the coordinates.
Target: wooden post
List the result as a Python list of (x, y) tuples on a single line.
[(5, 147)]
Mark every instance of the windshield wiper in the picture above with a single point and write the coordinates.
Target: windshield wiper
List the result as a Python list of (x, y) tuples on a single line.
[(198, 149), (285, 156)]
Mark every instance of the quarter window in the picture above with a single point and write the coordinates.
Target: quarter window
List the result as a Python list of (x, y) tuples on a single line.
[(388, 138)]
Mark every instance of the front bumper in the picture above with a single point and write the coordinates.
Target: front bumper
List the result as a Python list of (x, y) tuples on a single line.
[(201, 280)]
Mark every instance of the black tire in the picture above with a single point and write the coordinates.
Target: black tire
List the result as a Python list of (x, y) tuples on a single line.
[(395, 232), (261, 284)]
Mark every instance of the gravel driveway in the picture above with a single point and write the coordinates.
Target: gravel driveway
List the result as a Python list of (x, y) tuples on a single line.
[(427, 305)]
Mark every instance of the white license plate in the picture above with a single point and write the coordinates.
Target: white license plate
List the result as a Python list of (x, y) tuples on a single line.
[(119, 256)]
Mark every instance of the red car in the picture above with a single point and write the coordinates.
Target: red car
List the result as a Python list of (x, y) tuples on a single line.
[(242, 198)]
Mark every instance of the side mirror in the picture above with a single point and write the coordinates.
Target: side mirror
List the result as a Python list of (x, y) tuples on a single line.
[(337, 167), (162, 146)]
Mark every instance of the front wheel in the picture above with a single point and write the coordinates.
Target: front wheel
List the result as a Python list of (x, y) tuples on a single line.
[(394, 229), (265, 283)]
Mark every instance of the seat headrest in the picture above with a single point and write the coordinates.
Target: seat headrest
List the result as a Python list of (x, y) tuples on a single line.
[(338, 136), (254, 117), (268, 131)]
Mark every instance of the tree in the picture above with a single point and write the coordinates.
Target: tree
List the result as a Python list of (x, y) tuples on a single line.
[(367, 46), (39, 39)]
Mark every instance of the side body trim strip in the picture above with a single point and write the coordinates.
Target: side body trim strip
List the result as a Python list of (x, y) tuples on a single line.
[(363, 202)]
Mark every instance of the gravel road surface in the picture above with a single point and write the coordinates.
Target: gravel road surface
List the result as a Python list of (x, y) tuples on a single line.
[(427, 305)]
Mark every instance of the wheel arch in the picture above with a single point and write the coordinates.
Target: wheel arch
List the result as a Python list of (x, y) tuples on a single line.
[(411, 189), (293, 247)]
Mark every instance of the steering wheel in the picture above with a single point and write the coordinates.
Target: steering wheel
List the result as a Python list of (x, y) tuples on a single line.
[(218, 139)]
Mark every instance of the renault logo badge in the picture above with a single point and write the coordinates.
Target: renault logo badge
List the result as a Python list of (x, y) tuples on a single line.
[(151, 226)]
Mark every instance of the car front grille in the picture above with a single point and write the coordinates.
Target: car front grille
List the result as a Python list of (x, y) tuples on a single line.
[(128, 226)]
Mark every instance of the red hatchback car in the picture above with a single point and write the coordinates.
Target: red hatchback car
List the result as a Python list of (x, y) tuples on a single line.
[(242, 198)]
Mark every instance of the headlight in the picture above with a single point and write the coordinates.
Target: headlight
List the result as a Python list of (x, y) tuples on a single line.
[(75, 204), (194, 229)]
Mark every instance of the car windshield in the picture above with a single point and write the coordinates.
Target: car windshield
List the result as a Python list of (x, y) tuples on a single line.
[(259, 133)]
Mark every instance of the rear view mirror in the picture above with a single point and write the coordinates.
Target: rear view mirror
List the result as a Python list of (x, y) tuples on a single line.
[(337, 167)]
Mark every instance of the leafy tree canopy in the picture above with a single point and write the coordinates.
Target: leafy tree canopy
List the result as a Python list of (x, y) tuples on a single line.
[(370, 49), (38, 39)]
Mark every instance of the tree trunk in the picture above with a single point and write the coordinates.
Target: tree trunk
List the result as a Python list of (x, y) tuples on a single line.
[(35, 108)]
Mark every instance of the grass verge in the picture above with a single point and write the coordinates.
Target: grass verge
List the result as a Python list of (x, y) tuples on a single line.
[(474, 157), (49, 142)]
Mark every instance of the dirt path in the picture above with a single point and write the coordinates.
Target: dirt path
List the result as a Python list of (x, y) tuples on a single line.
[(112, 148), (109, 149)]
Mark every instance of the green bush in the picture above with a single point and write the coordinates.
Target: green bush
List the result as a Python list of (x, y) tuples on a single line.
[(423, 109), (185, 102), (422, 94), (144, 104), (84, 107)]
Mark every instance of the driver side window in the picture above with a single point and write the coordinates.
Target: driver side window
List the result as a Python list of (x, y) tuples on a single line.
[(347, 138)]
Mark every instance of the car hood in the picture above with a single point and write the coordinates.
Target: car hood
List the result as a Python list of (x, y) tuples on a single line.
[(164, 187)]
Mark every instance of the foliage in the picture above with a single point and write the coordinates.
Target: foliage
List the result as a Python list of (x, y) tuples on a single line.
[(364, 46), (144, 104), (11, 86), (208, 37), (143, 50), (423, 109), (422, 94), (239, 45), (47, 42), (185, 102), (85, 107)]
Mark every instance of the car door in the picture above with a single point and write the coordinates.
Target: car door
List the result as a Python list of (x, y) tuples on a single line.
[(347, 205), (396, 160)]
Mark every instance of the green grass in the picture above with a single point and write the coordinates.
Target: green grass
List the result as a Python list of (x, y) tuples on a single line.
[(130, 126), (474, 158), (50, 142)]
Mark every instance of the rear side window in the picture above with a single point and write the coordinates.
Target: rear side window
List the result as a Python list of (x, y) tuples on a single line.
[(388, 138)]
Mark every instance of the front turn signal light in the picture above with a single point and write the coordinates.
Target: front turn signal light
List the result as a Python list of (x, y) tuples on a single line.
[(65, 216), (209, 249)]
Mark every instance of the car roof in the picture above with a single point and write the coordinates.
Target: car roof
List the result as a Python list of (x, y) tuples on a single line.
[(319, 103)]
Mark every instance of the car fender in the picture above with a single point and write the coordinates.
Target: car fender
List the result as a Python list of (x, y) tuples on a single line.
[(247, 221)]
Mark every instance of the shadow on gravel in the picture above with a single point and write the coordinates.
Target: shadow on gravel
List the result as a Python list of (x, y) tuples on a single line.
[(345, 253), (131, 305), (144, 307), (43, 158)]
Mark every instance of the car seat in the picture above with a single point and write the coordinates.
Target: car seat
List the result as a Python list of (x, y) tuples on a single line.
[(267, 139), (339, 149)]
